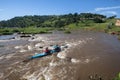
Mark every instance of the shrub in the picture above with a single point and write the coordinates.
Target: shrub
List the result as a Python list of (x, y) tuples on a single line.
[(67, 31), (118, 77), (16, 30)]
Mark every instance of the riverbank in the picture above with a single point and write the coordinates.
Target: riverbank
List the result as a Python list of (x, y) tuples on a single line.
[(108, 26)]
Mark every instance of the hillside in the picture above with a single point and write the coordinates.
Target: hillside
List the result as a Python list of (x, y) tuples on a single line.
[(50, 20), (44, 24)]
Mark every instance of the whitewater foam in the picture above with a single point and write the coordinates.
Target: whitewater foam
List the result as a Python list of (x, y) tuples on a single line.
[(1, 75), (73, 60)]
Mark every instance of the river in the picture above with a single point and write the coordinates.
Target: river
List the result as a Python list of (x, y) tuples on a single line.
[(89, 54), (3, 37)]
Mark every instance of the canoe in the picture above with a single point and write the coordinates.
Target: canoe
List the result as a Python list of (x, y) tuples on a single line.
[(38, 55)]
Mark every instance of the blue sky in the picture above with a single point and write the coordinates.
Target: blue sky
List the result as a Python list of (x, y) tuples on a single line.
[(12, 8)]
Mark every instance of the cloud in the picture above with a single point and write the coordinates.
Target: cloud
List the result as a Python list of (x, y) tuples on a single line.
[(107, 8), (109, 13)]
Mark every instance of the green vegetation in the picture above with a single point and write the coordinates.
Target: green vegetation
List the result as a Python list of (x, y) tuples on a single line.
[(29, 30), (5, 31), (45, 24), (117, 77), (50, 20), (67, 32)]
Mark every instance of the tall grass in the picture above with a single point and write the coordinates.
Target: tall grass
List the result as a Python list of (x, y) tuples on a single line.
[(28, 30), (84, 25)]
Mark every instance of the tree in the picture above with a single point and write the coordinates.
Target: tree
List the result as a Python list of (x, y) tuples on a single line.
[(112, 17), (59, 23), (98, 20), (51, 20)]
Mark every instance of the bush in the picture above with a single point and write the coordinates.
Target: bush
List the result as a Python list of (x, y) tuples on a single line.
[(16, 30), (67, 31), (7, 33), (117, 78), (42, 32), (98, 20)]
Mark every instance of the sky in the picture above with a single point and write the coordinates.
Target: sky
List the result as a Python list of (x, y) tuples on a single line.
[(12, 8)]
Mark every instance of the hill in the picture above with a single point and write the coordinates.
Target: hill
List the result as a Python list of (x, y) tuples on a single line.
[(43, 24), (50, 20)]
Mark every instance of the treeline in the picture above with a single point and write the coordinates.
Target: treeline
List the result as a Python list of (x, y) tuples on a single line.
[(51, 20)]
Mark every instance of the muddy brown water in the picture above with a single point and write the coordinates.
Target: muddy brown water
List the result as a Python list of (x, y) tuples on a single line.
[(98, 55)]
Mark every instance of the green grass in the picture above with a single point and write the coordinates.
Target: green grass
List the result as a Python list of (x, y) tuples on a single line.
[(5, 31), (28, 30), (84, 25), (90, 25)]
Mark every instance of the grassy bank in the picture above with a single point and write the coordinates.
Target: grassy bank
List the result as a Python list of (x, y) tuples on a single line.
[(108, 26), (28, 30), (88, 25)]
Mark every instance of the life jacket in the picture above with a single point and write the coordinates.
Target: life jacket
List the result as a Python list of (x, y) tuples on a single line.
[(57, 48), (46, 51)]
